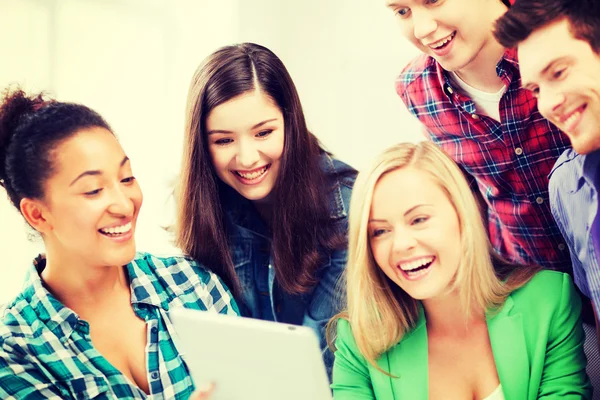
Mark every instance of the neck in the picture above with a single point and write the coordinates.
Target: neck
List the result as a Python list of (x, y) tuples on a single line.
[(83, 288), (480, 73), (446, 314)]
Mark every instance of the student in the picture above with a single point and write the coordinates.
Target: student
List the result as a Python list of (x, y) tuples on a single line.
[(261, 203), (466, 91), (92, 319), (559, 49), (431, 312)]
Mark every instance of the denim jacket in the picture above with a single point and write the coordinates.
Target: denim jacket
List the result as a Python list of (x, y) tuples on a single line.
[(250, 243)]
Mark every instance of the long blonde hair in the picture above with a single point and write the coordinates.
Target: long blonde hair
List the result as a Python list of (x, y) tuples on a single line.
[(379, 312)]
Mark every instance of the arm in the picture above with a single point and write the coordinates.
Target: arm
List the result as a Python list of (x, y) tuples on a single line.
[(564, 373), (20, 379), (351, 378)]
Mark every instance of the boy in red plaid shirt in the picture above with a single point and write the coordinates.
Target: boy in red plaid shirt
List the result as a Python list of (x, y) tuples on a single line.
[(466, 90)]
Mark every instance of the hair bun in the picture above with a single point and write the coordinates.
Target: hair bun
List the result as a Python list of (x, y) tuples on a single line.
[(15, 104)]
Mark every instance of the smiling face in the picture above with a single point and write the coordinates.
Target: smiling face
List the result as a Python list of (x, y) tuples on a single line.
[(91, 201), (414, 233), (245, 141), (456, 33), (563, 72)]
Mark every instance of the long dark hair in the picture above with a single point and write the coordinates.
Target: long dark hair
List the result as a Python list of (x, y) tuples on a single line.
[(300, 223)]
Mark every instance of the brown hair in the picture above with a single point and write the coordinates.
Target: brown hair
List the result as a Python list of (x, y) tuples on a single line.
[(301, 221), (526, 16)]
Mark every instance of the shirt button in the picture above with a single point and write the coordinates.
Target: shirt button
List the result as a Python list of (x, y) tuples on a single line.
[(449, 89), (154, 375), (562, 246), (475, 116), (154, 330), (270, 266), (518, 151), (539, 200)]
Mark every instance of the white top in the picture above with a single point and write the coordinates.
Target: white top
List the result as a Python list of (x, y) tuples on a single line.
[(486, 103), (496, 394)]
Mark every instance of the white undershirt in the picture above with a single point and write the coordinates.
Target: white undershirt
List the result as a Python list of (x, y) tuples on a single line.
[(485, 103), (496, 394)]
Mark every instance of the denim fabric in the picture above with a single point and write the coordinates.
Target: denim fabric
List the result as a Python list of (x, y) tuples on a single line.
[(250, 243)]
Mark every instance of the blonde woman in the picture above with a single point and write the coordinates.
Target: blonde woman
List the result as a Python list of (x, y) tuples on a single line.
[(431, 313)]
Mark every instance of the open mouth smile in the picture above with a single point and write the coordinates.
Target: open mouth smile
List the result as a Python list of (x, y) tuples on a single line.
[(416, 269)]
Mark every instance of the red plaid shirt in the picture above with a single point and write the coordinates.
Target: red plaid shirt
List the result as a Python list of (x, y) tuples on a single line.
[(509, 161)]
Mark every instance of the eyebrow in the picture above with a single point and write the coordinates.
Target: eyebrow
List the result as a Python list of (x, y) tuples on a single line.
[(405, 214), (97, 172), (253, 127)]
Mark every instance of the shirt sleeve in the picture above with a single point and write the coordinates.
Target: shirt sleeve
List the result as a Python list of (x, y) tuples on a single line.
[(217, 297), (564, 375), (351, 378), (21, 379)]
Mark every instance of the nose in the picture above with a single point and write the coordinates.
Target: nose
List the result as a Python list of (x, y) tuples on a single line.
[(248, 154), (550, 102), (404, 242), (120, 202), (424, 23)]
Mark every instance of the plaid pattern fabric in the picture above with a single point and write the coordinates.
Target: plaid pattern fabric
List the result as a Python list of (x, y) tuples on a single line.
[(509, 161), (46, 350)]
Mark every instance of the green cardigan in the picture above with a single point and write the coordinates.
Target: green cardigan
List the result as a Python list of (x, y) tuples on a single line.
[(537, 340)]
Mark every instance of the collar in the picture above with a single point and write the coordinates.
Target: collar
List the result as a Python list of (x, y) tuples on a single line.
[(62, 321), (506, 67), (583, 167)]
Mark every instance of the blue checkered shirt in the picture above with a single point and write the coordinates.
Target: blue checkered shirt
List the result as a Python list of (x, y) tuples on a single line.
[(46, 350)]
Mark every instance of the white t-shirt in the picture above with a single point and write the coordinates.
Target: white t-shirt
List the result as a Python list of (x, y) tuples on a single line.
[(485, 103)]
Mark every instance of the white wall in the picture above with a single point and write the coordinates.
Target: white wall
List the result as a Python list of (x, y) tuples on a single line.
[(132, 60)]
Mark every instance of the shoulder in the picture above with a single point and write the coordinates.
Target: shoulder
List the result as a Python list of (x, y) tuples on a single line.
[(544, 293), (177, 277), (16, 318), (564, 166), (414, 77), (182, 269)]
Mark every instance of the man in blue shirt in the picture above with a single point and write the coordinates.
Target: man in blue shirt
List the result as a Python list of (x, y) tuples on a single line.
[(559, 54)]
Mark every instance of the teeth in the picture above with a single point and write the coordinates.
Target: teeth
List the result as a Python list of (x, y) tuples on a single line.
[(117, 229), (572, 118), (416, 263), (252, 175), (441, 42)]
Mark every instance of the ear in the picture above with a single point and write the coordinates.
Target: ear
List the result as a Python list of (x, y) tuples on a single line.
[(36, 214)]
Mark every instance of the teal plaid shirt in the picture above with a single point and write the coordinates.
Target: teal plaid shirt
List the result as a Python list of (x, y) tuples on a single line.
[(46, 351)]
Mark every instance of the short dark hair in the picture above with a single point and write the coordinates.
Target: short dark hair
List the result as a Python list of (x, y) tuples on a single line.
[(526, 16), (30, 129)]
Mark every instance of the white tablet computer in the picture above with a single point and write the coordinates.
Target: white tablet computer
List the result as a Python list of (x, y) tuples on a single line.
[(251, 359)]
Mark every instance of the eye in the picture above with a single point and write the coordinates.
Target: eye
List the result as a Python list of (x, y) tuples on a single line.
[(223, 141), (92, 193), (377, 232), (264, 133), (403, 12), (128, 180), (559, 73), (419, 220), (433, 1)]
